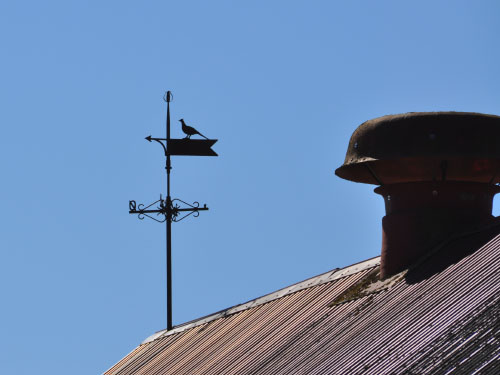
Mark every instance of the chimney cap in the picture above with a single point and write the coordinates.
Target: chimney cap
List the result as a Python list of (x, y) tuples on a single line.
[(424, 146)]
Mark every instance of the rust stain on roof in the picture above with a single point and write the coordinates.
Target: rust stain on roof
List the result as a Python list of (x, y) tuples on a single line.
[(444, 322)]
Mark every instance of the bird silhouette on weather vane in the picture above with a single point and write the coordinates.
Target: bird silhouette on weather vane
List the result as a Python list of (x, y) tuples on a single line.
[(189, 130)]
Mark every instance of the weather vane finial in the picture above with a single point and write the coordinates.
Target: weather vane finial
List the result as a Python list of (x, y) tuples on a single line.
[(168, 96)]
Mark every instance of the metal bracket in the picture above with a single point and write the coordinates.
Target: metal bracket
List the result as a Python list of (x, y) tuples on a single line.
[(175, 210)]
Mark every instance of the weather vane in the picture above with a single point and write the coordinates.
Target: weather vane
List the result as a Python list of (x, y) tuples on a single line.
[(174, 210)]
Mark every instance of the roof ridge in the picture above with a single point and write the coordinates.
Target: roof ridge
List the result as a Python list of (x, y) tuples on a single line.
[(323, 278)]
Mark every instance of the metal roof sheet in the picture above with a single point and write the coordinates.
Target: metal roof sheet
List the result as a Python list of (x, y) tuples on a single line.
[(436, 318)]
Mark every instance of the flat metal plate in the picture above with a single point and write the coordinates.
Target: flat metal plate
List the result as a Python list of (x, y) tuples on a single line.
[(191, 147)]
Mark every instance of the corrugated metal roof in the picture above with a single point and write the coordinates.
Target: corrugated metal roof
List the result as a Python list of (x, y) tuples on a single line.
[(440, 317)]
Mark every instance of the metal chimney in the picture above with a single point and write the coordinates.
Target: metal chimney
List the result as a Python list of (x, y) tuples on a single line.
[(437, 173)]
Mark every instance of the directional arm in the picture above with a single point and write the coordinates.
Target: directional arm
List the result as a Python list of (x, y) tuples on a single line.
[(159, 140)]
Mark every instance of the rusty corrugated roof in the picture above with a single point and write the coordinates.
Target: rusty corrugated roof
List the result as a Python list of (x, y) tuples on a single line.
[(439, 317)]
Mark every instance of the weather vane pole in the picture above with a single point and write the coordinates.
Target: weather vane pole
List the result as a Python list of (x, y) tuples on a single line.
[(168, 167), (174, 210)]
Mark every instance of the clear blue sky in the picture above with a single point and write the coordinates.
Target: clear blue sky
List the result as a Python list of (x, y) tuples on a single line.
[(281, 84)]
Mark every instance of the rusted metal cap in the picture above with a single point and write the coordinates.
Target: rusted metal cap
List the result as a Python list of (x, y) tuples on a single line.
[(424, 146)]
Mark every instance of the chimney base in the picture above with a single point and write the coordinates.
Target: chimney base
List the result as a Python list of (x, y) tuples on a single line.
[(421, 215)]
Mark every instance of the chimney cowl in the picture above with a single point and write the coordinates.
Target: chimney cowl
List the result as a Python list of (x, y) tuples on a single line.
[(424, 146), (437, 173)]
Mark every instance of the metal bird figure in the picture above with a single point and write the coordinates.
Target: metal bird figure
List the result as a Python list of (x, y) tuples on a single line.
[(189, 131)]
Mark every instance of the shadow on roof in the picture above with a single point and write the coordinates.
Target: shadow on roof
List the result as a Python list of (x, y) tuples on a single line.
[(451, 252)]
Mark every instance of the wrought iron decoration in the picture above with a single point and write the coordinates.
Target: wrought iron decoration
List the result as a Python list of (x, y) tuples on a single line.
[(161, 209), (170, 210)]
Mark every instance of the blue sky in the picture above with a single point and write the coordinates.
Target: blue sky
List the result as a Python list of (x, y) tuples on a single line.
[(281, 84)]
